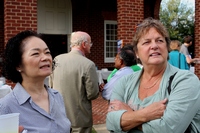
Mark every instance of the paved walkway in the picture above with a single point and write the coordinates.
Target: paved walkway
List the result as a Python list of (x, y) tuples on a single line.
[(99, 111), (101, 128)]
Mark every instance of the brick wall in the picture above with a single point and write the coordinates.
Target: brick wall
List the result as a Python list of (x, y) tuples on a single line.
[(197, 34), (129, 14), (152, 8), (19, 15), (1, 31), (89, 17), (157, 9), (1, 26)]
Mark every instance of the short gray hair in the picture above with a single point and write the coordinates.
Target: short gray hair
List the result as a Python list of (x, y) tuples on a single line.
[(77, 38), (145, 26)]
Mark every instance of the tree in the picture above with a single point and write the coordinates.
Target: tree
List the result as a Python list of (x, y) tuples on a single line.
[(178, 19)]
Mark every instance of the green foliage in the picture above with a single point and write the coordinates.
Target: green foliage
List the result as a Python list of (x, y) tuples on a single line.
[(93, 130), (178, 18)]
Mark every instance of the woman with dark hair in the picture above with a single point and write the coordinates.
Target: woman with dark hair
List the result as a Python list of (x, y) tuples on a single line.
[(27, 62), (160, 98)]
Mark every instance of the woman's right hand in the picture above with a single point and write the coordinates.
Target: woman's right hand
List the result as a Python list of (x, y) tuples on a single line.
[(155, 110)]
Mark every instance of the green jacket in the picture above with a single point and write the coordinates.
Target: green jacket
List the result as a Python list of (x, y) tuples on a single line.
[(134, 67)]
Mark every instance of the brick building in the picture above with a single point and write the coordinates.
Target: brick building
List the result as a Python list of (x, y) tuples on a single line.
[(105, 20)]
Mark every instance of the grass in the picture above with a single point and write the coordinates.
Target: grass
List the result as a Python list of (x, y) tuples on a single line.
[(93, 130)]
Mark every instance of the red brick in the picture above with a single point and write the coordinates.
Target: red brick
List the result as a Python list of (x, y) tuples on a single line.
[(99, 110)]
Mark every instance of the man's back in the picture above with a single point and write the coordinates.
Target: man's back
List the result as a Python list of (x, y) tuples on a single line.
[(75, 77)]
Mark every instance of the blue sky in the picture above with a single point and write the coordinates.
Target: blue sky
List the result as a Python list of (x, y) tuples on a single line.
[(189, 2)]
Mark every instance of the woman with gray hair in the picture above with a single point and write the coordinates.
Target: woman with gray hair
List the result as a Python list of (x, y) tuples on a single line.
[(160, 97)]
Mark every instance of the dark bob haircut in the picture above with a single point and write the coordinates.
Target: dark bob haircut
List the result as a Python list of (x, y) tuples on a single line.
[(12, 56)]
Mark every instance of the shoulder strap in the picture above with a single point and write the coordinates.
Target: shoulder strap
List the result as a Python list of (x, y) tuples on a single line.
[(170, 82), (169, 91), (179, 60)]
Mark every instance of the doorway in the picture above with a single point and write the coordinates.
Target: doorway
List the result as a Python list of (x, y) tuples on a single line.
[(56, 43)]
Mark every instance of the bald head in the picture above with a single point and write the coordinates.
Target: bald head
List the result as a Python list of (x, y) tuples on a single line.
[(82, 41), (79, 37)]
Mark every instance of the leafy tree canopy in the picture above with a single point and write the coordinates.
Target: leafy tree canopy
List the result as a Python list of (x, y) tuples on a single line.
[(178, 19)]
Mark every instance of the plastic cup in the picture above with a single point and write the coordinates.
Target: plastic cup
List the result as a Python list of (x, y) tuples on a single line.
[(9, 123)]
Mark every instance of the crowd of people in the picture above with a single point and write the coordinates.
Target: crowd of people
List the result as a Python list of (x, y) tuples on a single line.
[(162, 95)]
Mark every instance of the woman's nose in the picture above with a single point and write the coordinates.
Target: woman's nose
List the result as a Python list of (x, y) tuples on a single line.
[(45, 57), (154, 45)]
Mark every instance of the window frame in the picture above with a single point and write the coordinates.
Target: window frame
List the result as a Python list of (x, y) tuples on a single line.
[(109, 59)]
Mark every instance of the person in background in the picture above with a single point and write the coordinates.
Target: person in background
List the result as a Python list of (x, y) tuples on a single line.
[(184, 49), (135, 67), (27, 62), (176, 58), (160, 97), (76, 78), (123, 62)]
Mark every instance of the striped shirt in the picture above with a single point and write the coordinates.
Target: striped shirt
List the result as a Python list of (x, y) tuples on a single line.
[(32, 117)]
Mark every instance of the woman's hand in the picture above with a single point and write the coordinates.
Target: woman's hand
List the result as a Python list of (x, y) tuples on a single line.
[(155, 110)]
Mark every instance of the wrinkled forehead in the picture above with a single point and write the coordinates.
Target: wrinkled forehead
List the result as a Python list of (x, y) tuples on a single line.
[(151, 33)]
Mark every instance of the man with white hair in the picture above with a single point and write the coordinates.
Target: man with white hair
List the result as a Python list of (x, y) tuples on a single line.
[(76, 78)]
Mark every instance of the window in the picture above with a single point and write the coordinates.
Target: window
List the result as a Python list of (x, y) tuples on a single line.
[(110, 41)]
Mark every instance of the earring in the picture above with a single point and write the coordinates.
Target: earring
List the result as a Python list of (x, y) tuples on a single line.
[(20, 71)]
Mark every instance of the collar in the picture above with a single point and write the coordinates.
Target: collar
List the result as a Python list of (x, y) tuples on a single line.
[(76, 49), (20, 93), (126, 67)]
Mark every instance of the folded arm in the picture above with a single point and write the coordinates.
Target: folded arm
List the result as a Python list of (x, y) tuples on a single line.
[(127, 122)]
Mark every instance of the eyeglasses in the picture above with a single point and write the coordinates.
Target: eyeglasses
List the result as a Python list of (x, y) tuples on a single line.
[(90, 43)]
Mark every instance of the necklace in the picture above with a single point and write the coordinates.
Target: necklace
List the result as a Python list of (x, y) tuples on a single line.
[(152, 84)]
